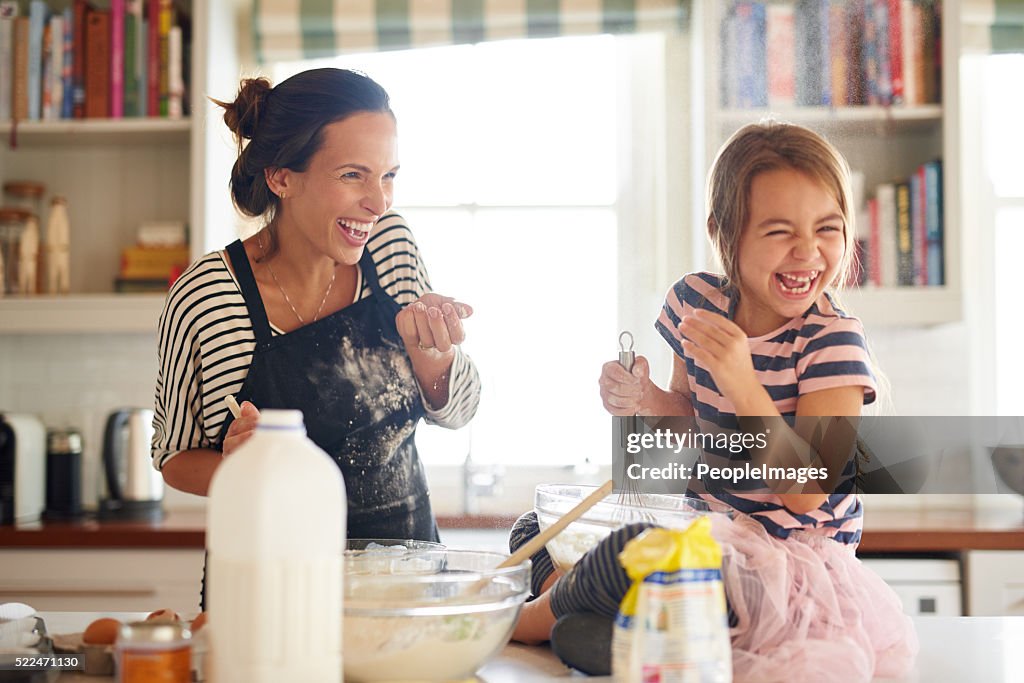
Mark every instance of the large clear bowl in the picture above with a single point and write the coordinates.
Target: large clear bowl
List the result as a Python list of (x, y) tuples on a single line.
[(551, 501), (427, 614)]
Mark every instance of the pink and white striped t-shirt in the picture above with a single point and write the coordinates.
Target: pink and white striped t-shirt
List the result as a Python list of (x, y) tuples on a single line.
[(822, 349)]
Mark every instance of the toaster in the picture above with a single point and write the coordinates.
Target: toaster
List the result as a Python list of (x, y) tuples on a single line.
[(22, 468)]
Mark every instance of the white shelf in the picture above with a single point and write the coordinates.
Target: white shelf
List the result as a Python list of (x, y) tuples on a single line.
[(896, 119), (78, 313), (903, 306), (80, 132)]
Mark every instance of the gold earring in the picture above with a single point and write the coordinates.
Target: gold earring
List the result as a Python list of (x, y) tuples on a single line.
[(282, 195)]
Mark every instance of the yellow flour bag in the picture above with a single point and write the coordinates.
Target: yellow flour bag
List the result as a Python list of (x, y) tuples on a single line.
[(672, 625)]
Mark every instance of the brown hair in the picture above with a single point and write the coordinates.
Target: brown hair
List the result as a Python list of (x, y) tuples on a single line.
[(767, 146), (282, 127)]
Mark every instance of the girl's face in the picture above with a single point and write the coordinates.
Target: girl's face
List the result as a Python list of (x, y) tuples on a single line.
[(790, 249), (347, 185)]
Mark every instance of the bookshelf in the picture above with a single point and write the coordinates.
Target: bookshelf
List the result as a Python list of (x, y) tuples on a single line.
[(116, 173), (884, 142)]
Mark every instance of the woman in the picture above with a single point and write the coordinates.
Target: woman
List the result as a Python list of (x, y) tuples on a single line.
[(326, 309)]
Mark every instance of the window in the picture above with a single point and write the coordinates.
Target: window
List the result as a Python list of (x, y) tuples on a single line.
[(512, 165), (1003, 151)]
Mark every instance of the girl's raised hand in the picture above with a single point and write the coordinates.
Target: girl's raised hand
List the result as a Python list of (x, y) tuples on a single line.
[(721, 346), (622, 391), (432, 324), (241, 429)]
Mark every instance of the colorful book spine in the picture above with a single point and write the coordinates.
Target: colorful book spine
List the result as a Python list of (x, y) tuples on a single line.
[(79, 10), (917, 227), (176, 85), (933, 221), (37, 12), (116, 59), (144, 73), (780, 45), (874, 244), (153, 58), (97, 63), (854, 31), (904, 237), (133, 60), (166, 19), (8, 12), (19, 91), (750, 48), (838, 51), (886, 194), (896, 51), (67, 67)]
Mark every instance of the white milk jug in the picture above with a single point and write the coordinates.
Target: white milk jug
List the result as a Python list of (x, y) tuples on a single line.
[(275, 538)]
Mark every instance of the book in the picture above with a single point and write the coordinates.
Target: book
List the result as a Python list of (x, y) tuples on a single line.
[(917, 227), (813, 71), (37, 12), (896, 56), (163, 36), (68, 103), (904, 237), (152, 262), (886, 195), (8, 12), (117, 59), (874, 244), (153, 58), (132, 61), (19, 91), (853, 29), (56, 70), (838, 52), (79, 10), (780, 45), (934, 222), (97, 63), (751, 54), (175, 83)]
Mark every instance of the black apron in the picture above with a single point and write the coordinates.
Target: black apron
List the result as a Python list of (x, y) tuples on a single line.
[(350, 376)]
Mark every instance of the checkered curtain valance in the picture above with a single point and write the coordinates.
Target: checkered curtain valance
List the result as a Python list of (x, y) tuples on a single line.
[(286, 30), (992, 26)]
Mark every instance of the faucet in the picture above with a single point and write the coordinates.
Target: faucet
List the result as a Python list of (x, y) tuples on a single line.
[(479, 481)]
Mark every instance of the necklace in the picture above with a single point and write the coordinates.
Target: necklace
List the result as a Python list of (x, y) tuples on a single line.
[(334, 272)]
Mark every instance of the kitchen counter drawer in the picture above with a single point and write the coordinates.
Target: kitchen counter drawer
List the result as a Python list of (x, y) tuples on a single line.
[(102, 580)]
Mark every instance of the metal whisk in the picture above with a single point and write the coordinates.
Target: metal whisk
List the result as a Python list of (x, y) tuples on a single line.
[(630, 494)]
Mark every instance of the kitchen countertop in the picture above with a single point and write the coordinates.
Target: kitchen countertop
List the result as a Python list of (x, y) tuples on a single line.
[(895, 531), (952, 649)]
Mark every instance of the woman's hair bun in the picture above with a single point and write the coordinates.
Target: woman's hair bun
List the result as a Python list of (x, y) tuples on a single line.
[(242, 116)]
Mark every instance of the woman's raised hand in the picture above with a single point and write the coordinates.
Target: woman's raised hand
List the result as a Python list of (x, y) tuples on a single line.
[(242, 428), (432, 324), (624, 392)]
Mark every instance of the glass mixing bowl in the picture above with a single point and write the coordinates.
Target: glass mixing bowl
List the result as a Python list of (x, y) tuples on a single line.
[(551, 501), (427, 614)]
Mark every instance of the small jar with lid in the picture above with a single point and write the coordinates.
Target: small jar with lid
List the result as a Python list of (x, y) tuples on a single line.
[(25, 194), (154, 652), (13, 222)]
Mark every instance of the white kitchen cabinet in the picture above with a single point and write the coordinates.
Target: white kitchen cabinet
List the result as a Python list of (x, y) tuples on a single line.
[(995, 583), (116, 173), (103, 580), (927, 587), (883, 142)]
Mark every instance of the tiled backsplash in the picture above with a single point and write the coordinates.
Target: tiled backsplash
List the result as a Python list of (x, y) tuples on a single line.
[(75, 380)]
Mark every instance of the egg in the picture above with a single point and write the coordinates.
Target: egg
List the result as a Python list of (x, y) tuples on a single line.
[(199, 622), (101, 632), (163, 615)]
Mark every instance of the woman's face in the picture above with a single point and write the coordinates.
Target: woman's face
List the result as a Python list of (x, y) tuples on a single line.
[(790, 250), (348, 184)]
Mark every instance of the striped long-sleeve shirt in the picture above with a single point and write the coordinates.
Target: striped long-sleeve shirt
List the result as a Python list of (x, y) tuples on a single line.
[(822, 349), (206, 343)]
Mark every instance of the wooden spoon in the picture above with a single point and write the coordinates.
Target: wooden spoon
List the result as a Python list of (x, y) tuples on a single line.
[(538, 541)]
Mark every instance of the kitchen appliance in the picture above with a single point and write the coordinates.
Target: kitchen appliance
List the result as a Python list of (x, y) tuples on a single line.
[(134, 489), (63, 474), (22, 450)]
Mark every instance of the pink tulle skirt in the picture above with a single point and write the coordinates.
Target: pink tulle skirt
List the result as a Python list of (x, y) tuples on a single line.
[(808, 609)]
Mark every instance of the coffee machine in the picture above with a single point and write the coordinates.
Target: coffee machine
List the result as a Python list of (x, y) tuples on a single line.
[(22, 468), (134, 489)]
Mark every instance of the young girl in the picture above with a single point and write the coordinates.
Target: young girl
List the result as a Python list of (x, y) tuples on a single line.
[(765, 339)]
